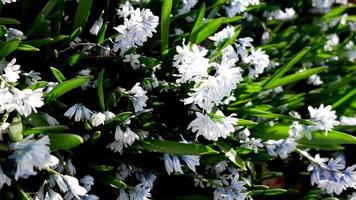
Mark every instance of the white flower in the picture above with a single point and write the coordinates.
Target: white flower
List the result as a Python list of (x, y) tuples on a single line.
[(27, 100), (79, 111), (140, 192), (260, 60), (252, 143), (187, 6), (219, 37), (172, 164), (8, 1), (133, 59), (11, 72), (323, 117), (52, 195), (239, 6), (90, 197), (206, 94), (347, 121), (136, 30), (191, 63), (315, 80), (71, 168), (123, 139), (332, 40), (94, 30), (108, 115), (123, 195), (228, 76), (322, 5), (50, 120), (87, 181), (281, 15), (125, 9), (192, 161), (29, 155), (244, 134), (4, 128), (298, 131), (13, 33), (213, 129), (139, 97), (73, 186), (280, 147), (97, 119), (4, 179)]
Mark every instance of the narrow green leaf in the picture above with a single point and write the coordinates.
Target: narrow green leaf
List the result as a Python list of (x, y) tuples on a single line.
[(39, 42), (318, 137), (35, 119), (64, 141), (16, 129), (58, 74), (120, 118), (101, 34), (51, 4), (82, 14), (9, 47), (344, 98), (101, 90), (9, 21), (175, 148), (165, 22), (295, 77), (231, 154), (198, 22), (26, 47), (46, 129), (65, 87), (207, 29), (279, 73), (111, 181)]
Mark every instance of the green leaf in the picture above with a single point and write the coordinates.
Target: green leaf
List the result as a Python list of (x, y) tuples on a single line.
[(58, 74), (26, 47), (65, 87), (318, 137), (295, 77), (47, 9), (165, 21), (101, 34), (231, 154), (207, 29), (343, 99), (16, 129), (245, 122), (9, 47), (279, 73), (111, 181), (35, 119), (175, 148), (82, 14), (120, 118), (39, 42), (9, 21), (39, 84), (46, 129), (198, 22), (101, 90), (64, 141)]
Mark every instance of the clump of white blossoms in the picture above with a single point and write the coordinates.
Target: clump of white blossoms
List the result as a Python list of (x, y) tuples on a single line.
[(137, 28), (191, 63), (11, 98), (280, 148), (31, 154)]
